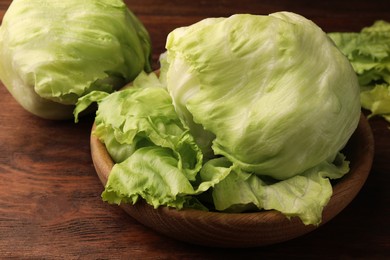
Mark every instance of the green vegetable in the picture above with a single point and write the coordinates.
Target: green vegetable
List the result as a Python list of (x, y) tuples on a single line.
[(276, 98), (303, 195), (53, 52), (369, 54), (156, 156), (249, 113)]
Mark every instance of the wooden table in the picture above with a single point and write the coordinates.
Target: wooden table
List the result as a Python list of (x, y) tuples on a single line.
[(50, 205)]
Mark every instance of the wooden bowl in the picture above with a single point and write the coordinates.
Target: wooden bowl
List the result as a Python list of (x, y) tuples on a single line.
[(240, 230)]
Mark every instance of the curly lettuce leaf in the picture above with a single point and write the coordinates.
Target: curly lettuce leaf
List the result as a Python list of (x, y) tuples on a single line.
[(369, 54)]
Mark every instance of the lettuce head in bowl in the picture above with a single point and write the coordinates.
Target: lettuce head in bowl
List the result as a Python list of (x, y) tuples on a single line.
[(52, 52), (248, 113)]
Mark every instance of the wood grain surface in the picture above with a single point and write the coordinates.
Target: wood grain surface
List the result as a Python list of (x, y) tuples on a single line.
[(50, 205)]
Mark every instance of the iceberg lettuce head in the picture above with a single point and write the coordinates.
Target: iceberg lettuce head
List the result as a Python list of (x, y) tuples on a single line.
[(53, 52), (270, 93)]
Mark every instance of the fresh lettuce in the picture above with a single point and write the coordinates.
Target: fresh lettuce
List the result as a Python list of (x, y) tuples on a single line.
[(304, 195), (239, 119), (275, 99), (156, 156), (369, 54), (52, 52)]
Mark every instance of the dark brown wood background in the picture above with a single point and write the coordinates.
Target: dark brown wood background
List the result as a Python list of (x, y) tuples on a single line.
[(50, 204)]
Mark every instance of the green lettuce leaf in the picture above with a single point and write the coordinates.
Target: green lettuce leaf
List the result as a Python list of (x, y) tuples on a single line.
[(155, 156), (304, 195), (154, 174), (377, 99), (369, 54)]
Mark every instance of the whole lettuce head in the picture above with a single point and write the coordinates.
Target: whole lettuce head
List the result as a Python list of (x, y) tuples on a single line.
[(53, 52), (271, 93)]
